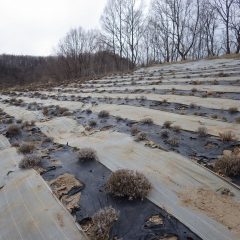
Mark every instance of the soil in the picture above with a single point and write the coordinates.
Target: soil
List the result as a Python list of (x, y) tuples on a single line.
[(216, 205)]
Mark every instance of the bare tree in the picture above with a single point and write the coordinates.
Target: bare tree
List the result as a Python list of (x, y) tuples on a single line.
[(133, 27), (235, 23), (223, 8)]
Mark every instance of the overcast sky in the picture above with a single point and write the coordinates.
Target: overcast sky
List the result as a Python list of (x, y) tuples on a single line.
[(35, 26)]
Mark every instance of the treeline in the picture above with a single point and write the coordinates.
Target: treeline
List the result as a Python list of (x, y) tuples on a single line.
[(25, 70), (171, 30)]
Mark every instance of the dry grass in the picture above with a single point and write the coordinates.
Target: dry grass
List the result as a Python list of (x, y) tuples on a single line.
[(26, 148), (192, 106), (13, 130), (202, 131), (134, 131), (237, 120), (87, 154), (92, 123), (128, 183), (165, 134), (102, 222), (228, 165), (233, 110), (88, 111), (176, 128), (174, 142), (194, 90), (147, 121), (29, 161), (103, 114), (167, 124), (141, 136), (227, 136)]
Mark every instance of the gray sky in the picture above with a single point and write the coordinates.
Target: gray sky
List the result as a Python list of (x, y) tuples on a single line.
[(35, 26)]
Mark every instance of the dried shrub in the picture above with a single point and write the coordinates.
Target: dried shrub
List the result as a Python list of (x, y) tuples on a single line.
[(13, 130), (227, 136), (167, 124), (165, 134), (141, 136), (237, 120), (26, 148), (174, 142), (128, 183), (87, 154), (45, 111), (88, 111), (47, 140), (29, 161), (118, 118), (233, 110), (229, 165), (134, 131), (147, 121), (192, 106), (62, 110), (103, 114), (176, 128), (92, 123), (102, 222), (194, 90), (202, 131)]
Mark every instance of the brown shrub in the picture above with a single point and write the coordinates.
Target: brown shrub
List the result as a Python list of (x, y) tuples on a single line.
[(29, 161), (141, 136), (174, 142), (167, 124), (202, 131), (26, 148), (128, 183), (87, 154), (92, 123), (165, 134), (45, 111), (102, 222), (228, 165), (134, 131), (103, 114), (176, 128), (237, 120), (13, 130), (227, 136), (147, 121), (233, 110)]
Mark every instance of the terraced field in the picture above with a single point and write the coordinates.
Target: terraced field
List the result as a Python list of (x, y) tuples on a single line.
[(170, 122)]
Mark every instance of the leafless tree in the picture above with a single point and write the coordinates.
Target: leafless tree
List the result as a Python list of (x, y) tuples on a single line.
[(235, 23), (224, 8)]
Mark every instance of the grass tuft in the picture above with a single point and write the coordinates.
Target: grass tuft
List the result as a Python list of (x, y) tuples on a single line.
[(128, 183), (102, 222), (29, 161), (87, 154), (103, 114)]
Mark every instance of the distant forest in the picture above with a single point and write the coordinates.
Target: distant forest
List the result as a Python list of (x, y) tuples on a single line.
[(25, 70), (172, 30)]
